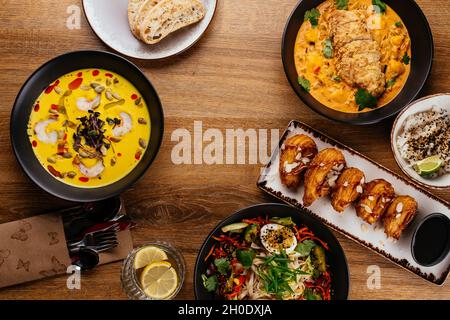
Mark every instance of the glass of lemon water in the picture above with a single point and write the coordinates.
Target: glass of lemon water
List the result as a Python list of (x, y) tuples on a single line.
[(154, 271)]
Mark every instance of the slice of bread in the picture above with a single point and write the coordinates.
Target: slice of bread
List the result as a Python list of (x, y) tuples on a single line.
[(133, 10), (144, 9), (168, 16)]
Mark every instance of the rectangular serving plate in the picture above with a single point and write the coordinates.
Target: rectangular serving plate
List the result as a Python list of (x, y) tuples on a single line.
[(348, 223)]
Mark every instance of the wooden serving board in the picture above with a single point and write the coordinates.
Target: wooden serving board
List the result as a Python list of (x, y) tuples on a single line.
[(348, 223)]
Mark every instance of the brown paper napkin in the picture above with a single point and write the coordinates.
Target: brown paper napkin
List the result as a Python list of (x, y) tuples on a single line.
[(35, 248)]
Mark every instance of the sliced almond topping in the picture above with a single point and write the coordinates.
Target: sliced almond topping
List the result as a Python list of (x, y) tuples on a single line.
[(367, 208)]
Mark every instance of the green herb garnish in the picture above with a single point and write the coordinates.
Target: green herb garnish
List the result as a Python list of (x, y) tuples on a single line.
[(390, 83), (313, 16), (380, 6), (304, 83), (222, 265), (276, 274), (328, 49), (311, 295), (406, 59), (245, 257), (341, 4), (336, 79), (364, 99), (210, 283), (304, 248)]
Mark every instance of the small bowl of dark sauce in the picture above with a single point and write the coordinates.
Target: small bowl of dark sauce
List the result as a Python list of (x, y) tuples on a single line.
[(431, 240)]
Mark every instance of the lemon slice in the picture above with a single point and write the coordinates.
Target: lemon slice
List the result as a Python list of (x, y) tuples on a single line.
[(159, 280), (147, 255), (429, 165)]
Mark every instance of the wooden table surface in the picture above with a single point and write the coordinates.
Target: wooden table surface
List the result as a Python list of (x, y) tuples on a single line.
[(233, 78)]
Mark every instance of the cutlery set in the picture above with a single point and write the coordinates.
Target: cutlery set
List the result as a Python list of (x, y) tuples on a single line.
[(92, 228)]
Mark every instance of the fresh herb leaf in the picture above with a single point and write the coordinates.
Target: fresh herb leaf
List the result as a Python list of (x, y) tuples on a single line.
[(311, 295), (328, 49), (304, 248), (222, 265), (390, 83), (399, 24), (406, 59), (336, 79), (276, 275), (286, 221), (364, 99), (380, 6), (313, 16), (304, 83), (341, 4), (210, 283), (246, 256)]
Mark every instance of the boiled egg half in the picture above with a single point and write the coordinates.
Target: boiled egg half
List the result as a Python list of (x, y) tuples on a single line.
[(276, 238)]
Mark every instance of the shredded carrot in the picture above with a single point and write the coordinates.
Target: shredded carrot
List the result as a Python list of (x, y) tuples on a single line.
[(210, 252)]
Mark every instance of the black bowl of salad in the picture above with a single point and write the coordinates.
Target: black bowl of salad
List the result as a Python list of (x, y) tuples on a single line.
[(271, 251)]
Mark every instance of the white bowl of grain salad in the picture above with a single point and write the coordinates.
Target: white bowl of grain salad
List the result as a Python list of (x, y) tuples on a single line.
[(420, 141)]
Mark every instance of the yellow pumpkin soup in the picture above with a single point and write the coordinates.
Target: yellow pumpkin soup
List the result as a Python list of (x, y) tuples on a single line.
[(89, 128)]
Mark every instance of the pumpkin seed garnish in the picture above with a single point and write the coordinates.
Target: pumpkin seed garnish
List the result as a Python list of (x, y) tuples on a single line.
[(94, 85), (108, 82), (51, 160), (70, 124), (115, 103), (117, 96), (142, 143), (83, 153), (142, 121), (114, 139), (116, 81), (99, 89), (71, 174), (138, 101), (113, 161), (85, 88), (67, 155), (108, 95), (58, 90)]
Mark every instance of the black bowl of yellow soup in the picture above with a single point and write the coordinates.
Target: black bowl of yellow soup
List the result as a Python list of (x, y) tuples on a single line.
[(86, 125), (357, 61)]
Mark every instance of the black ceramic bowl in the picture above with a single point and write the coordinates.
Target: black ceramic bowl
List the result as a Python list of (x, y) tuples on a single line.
[(46, 75), (422, 59), (335, 256)]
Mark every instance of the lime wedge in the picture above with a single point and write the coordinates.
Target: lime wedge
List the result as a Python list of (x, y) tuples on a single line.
[(429, 165)]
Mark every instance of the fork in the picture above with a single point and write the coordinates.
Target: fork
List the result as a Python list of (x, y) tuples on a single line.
[(100, 241)]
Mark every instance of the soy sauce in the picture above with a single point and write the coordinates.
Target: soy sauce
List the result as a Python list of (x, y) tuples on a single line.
[(431, 242)]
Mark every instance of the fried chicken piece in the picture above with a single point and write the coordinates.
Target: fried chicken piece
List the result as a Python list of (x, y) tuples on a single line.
[(358, 55), (296, 154), (399, 214), (348, 188), (322, 174), (374, 201)]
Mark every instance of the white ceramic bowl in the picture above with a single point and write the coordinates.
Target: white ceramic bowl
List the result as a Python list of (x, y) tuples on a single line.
[(109, 20), (421, 105)]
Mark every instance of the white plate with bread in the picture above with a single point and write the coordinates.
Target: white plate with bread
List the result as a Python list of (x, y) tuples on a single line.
[(149, 29)]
